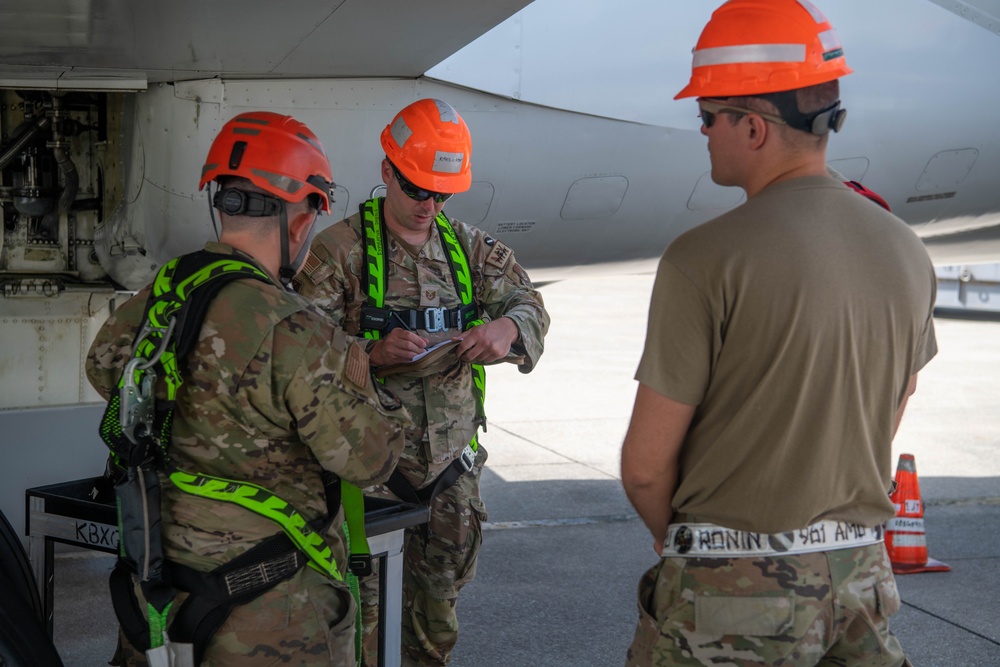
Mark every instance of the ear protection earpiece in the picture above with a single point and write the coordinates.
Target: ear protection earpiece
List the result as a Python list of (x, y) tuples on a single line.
[(238, 202), (830, 118)]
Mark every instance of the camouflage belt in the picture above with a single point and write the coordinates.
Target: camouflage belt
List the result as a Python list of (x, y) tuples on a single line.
[(706, 540)]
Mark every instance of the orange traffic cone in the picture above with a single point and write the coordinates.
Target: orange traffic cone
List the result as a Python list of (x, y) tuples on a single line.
[(904, 535)]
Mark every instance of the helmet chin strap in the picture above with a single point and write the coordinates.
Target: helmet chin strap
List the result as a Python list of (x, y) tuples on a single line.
[(232, 201), (289, 268), (286, 271)]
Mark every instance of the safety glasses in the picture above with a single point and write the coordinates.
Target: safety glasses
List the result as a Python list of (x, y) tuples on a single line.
[(415, 193), (709, 109)]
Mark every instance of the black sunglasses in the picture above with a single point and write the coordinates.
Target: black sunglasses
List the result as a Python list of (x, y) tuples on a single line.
[(710, 108), (415, 193)]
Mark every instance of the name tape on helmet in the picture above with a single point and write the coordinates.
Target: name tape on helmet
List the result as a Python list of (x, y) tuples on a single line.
[(447, 163)]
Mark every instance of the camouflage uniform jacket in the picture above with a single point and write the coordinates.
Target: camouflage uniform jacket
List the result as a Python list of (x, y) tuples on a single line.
[(441, 405), (272, 394)]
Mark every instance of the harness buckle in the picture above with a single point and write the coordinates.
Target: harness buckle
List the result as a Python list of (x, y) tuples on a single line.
[(467, 458), (136, 411), (434, 320), (360, 565)]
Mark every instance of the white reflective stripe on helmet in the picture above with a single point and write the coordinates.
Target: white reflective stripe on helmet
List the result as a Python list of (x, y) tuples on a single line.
[(813, 11), (446, 112), (400, 132), (750, 53), (830, 40)]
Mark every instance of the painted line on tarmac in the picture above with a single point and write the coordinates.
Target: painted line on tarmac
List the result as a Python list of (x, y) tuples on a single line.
[(952, 623), (553, 451), (569, 521), (962, 502), (621, 518)]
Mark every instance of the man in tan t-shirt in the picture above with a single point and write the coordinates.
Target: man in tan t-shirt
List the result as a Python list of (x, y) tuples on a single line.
[(784, 338)]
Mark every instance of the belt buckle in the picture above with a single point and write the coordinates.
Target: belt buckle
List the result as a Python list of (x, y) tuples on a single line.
[(434, 320), (467, 458)]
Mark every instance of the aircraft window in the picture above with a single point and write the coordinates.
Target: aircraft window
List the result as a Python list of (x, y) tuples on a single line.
[(473, 205), (708, 196), (947, 169), (594, 197)]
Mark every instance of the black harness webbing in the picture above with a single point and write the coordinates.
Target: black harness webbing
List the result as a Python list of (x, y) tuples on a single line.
[(405, 491), (430, 320), (212, 595), (376, 320), (182, 293)]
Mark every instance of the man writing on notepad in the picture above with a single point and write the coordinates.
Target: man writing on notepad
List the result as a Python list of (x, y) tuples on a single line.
[(404, 276)]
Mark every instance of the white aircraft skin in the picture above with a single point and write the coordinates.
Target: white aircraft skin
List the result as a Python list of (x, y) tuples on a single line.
[(582, 160), (578, 192)]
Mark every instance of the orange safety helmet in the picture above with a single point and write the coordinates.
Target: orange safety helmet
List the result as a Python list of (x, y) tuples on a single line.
[(753, 47), (430, 144), (276, 153)]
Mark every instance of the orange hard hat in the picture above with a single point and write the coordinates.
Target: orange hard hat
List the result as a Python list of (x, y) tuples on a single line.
[(430, 144), (276, 153), (753, 47)]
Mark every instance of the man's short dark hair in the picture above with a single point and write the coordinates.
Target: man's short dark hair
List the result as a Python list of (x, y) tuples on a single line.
[(805, 101)]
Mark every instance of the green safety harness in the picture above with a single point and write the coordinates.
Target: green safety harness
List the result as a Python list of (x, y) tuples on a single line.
[(377, 320), (136, 428)]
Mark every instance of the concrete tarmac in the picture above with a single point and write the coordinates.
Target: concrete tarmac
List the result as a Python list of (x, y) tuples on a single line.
[(563, 550)]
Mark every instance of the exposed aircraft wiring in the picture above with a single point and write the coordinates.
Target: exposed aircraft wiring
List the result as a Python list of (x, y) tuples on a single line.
[(141, 155)]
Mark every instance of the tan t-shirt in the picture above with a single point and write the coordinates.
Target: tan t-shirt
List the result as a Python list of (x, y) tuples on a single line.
[(793, 323)]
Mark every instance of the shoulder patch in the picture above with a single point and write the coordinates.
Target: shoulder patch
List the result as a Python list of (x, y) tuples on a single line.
[(315, 269), (500, 255), (357, 370)]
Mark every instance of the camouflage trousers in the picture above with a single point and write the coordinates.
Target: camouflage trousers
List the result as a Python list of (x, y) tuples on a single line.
[(307, 621), (827, 608), (439, 558)]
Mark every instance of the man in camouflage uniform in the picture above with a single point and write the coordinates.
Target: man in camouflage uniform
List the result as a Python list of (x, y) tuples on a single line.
[(274, 395), (427, 150), (784, 338)]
